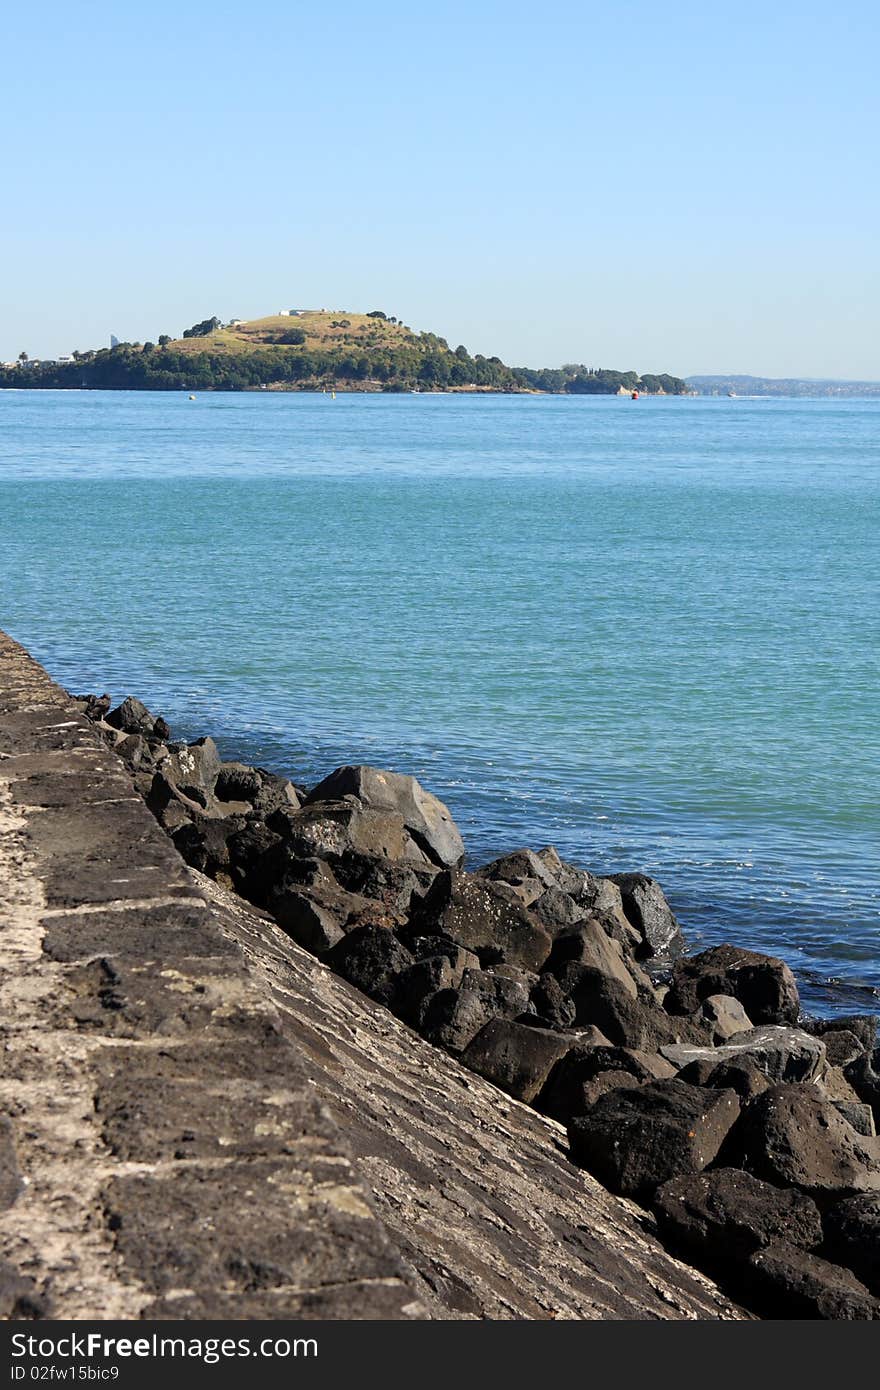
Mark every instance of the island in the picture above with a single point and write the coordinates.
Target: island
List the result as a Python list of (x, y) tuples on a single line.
[(314, 350)]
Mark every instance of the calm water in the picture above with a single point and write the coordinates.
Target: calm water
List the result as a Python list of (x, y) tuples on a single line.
[(647, 633)]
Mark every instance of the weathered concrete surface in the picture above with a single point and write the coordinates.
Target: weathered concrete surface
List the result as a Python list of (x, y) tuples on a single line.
[(204, 1122)]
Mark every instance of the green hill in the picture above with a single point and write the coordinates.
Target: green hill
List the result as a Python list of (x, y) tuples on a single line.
[(310, 350)]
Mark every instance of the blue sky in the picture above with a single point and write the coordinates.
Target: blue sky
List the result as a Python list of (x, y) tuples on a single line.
[(686, 187)]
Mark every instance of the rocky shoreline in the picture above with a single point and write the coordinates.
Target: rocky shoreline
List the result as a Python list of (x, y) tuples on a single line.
[(691, 1084)]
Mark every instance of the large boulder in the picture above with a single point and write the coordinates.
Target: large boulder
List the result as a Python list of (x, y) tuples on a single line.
[(193, 768), (605, 1002), (372, 959), (431, 972), (514, 1056), (726, 1017), (133, 717), (485, 917), (647, 910), (588, 944), (342, 831), (636, 1140), (552, 1005), (452, 1017), (763, 985), (791, 1135), (863, 1075), (863, 1026), (740, 1075), (724, 1215), (852, 1236), (427, 820), (789, 1282), (782, 1054), (587, 1072)]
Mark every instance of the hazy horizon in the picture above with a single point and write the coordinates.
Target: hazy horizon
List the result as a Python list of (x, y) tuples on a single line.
[(661, 192)]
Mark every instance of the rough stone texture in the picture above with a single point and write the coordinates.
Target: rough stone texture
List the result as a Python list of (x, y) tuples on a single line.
[(635, 1140), (514, 1056), (791, 1135), (764, 985), (852, 1232), (426, 818), (725, 1215), (174, 1063), (795, 1284), (782, 1054), (646, 908)]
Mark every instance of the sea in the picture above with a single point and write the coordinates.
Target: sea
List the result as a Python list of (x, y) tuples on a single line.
[(646, 632)]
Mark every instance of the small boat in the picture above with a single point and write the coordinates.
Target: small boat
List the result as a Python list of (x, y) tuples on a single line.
[(192, 398)]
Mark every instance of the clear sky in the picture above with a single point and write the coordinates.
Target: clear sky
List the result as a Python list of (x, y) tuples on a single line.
[(683, 187)]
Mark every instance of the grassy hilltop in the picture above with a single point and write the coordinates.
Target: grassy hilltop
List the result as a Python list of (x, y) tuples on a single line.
[(315, 350)]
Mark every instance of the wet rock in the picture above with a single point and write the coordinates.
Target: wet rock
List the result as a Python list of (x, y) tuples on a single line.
[(726, 1017), (485, 917), (647, 910), (723, 1216), (741, 1076), (371, 958), (426, 819), (635, 1140), (763, 985), (852, 1236), (587, 1072), (794, 1284), (782, 1054), (793, 1137), (515, 1057), (452, 1017)]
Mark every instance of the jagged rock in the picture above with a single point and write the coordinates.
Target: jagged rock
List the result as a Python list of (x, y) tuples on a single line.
[(204, 844), (515, 1057), (794, 1284), (741, 1076), (315, 919), (863, 1026), (647, 910), (94, 707), (441, 970), (764, 985), (841, 1046), (484, 916), (427, 820), (859, 1115), (247, 848), (552, 1005), (852, 1235), (636, 1140), (523, 870), (452, 1017), (863, 1075), (346, 830), (588, 944), (723, 1216), (587, 1072), (601, 1000), (192, 768), (792, 1136), (398, 885), (557, 911), (132, 717), (782, 1054), (371, 958), (276, 794), (834, 1086), (726, 1017), (237, 782)]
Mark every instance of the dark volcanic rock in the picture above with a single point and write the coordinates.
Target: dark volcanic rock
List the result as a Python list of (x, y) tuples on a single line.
[(452, 1017), (852, 1234), (204, 844), (726, 1017), (341, 831), (588, 944), (132, 717), (725, 1215), (193, 769), (782, 1054), (863, 1026), (841, 1046), (484, 916), (587, 1072), (441, 970), (793, 1284), (371, 958), (791, 1135), (857, 1114), (427, 819), (645, 905), (863, 1075), (603, 1001), (764, 985), (552, 1004), (515, 1057), (742, 1076), (636, 1140), (237, 782)]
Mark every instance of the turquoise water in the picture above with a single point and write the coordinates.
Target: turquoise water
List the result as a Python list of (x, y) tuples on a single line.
[(646, 632)]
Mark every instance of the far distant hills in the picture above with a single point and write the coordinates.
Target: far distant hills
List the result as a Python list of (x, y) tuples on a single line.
[(779, 386), (313, 350)]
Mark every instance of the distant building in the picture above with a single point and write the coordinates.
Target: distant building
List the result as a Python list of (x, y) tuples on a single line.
[(291, 313), (236, 323), (114, 341)]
